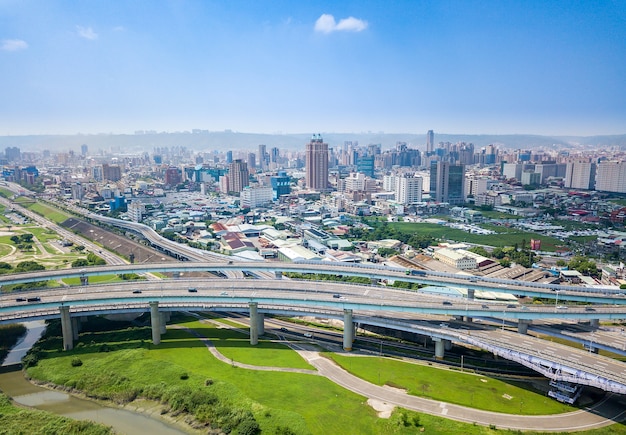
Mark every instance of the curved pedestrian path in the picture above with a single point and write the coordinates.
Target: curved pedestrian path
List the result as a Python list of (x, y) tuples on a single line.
[(604, 413)]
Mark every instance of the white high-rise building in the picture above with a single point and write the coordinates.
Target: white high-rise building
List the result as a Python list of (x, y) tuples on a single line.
[(611, 177), (251, 197), (580, 174), (409, 189)]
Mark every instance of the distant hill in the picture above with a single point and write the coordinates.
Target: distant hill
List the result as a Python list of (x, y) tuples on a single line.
[(227, 140)]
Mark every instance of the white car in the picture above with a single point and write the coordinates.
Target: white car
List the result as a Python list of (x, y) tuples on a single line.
[(308, 335)]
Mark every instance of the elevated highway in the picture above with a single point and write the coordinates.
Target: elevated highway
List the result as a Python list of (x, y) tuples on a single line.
[(355, 304), (612, 296)]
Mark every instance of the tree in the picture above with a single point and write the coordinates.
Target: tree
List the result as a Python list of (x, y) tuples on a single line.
[(387, 252), (480, 251), (26, 238), (29, 266), (15, 239), (81, 262)]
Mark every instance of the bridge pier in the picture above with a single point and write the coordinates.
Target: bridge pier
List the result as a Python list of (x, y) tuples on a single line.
[(84, 280), (254, 323), (261, 324), (278, 274), (522, 325), (439, 347), (348, 330), (66, 328), (155, 321), (594, 323), (470, 294)]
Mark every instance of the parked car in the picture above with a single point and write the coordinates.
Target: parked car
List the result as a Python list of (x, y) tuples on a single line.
[(192, 290)]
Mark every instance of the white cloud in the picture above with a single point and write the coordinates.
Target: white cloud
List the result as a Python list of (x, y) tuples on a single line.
[(326, 24), (86, 32), (13, 45)]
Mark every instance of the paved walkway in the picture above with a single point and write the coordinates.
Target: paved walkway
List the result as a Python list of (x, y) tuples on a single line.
[(608, 411)]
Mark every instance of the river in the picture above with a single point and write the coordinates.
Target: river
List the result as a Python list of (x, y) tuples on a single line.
[(15, 385)]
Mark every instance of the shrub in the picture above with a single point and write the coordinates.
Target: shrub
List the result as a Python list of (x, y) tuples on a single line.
[(184, 376), (77, 362), (248, 427)]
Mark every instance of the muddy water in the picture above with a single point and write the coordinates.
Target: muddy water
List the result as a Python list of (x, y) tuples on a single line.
[(23, 392)]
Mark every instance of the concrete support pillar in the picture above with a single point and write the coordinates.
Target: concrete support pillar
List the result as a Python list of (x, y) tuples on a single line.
[(254, 323), (594, 323), (261, 325), (66, 328), (522, 325), (155, 321), (163, 323), (439, 347), (168, 316), (278, 274), (84, 280), (470, 294), (348, 330), (468, 319), (75, 324), (447, 344), (374, 281)]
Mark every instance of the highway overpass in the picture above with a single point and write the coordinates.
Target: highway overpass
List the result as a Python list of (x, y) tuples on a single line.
[(354, 304)]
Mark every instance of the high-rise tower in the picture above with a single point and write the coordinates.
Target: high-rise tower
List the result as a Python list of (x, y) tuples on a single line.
[(430, 141), (447, 182), (238, 175), (317, 164)]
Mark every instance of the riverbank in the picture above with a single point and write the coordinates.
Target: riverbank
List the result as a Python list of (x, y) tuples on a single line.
[(155, 410)]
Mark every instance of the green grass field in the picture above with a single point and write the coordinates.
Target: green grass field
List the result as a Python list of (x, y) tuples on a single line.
[(302, 403), (505, 236), (99, 279), (469, 390), (53, 214)]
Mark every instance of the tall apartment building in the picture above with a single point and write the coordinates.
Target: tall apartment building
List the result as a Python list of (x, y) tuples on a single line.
[(172, 176), (580, 174), (447, 182), (317, 164), (430, 141), (12, 154), (238, 176), (263, 158), (611, 176), (111, 172), (408, 189)]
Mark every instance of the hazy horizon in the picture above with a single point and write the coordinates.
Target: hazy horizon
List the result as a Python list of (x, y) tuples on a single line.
[(99, 67)]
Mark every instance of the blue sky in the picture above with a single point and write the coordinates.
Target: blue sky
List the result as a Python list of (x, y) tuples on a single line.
[(493, 67)]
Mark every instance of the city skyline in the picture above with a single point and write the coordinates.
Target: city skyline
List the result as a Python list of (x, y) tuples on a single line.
[(478, 67)]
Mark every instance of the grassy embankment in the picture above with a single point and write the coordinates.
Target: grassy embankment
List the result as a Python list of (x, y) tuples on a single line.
[(122, 365), (50, 213)]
